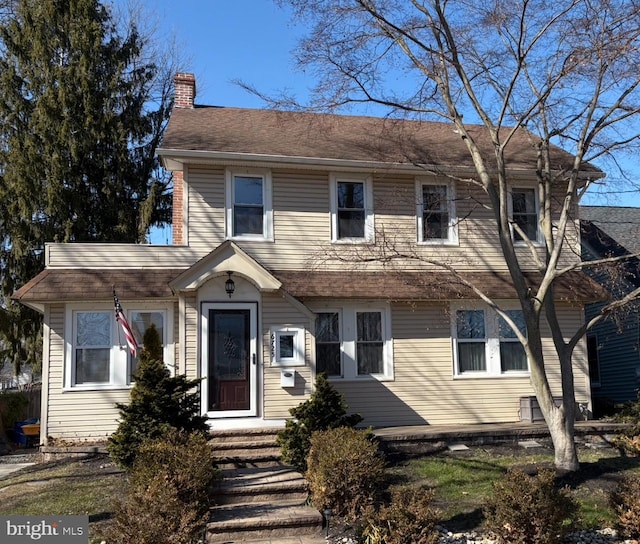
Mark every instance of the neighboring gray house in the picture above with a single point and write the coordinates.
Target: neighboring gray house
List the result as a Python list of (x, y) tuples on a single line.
[(613, 345)]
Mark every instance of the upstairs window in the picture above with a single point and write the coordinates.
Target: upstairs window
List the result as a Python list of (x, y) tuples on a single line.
[(351, 203), (436, 214), (525, 214), (248, 211)]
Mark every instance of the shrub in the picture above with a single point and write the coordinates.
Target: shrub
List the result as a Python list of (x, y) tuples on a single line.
[(527, 509), (324, 410), (409, 517), (13, 408), (629, 440), (159, 402), (167, 502), (625, 501), (345, 471)]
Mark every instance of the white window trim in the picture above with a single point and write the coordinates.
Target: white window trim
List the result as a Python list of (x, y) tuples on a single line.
[(452, 235), (267, 201), (120, 360), (369, 235), (538, 241), (348, 341), (492, 343), (299, 340)]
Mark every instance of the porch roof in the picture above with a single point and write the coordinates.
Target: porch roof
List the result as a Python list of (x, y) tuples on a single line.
[(433, 285), (67, 285)]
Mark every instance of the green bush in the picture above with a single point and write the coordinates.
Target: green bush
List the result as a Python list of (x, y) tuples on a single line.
[(159, 402), (168, 498), (527, 509), (625, 501), (324, 410), (408, 518), (345, 471)]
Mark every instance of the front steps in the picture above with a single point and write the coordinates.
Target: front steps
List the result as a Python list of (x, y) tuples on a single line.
[(258, 497)]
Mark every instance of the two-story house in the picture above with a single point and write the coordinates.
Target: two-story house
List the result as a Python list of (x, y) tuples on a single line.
[(305, 243)]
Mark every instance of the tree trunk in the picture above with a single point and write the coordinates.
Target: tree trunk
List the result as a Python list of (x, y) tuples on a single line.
[(561, 428)]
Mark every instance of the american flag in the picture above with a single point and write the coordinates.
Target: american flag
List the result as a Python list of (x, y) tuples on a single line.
[(128, 333)]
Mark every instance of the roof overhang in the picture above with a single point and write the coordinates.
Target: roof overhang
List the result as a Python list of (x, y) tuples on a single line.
[(175, 159)]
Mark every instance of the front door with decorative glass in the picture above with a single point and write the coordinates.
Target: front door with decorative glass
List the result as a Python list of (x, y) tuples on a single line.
[(229, 359)]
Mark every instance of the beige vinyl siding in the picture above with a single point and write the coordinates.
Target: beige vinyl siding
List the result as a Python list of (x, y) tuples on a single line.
[(302, 228), (302, 222), (191, 364), (76, 415), (424, 390), (277, 312), (205, 208)]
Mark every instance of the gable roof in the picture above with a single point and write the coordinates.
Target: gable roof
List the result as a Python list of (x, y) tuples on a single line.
[(206, 131), (620, 224)]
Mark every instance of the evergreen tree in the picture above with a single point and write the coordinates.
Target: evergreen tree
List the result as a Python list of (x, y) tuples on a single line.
[(159, 403), (82, 111)]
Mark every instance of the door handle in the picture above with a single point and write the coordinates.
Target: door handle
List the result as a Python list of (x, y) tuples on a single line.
[(254, 359)]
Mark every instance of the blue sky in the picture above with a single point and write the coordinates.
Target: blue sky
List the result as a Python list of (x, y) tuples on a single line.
[(248, 40), (225, 40)]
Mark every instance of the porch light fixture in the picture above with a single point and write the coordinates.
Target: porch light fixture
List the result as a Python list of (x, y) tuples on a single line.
[(229, 285)]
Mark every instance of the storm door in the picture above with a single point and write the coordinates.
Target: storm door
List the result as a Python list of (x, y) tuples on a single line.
[(229, 359)]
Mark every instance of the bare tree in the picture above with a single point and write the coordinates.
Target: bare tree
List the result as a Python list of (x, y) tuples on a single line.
[(565, 71)]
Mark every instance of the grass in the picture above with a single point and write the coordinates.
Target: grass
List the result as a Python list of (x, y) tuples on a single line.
[(67, 487), (462, 481)]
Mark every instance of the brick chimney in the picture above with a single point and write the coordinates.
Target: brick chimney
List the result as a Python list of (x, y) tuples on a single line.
[(185, 90)]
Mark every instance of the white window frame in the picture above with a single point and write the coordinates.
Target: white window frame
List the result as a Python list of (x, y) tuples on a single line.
[(335, 179), (299, 339), (119, 355), (492, 342), (267, 203), (452, 232), (348, 340), (538, 238)]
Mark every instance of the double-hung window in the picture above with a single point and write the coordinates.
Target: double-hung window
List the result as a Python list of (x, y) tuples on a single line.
[(512, 354), (436, 213), (354, 343), (97, 355), (351, 209), (486, 344), (525, 214), (328, 356), (248, 210)]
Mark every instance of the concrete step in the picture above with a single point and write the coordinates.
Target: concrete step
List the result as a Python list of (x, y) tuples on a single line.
[(260, 484), (247, 447), (234, 523)]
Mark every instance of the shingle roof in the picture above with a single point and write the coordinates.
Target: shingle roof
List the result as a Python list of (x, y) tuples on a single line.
[(622, 224), (339, 137), (63, 284), (571, 287)]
